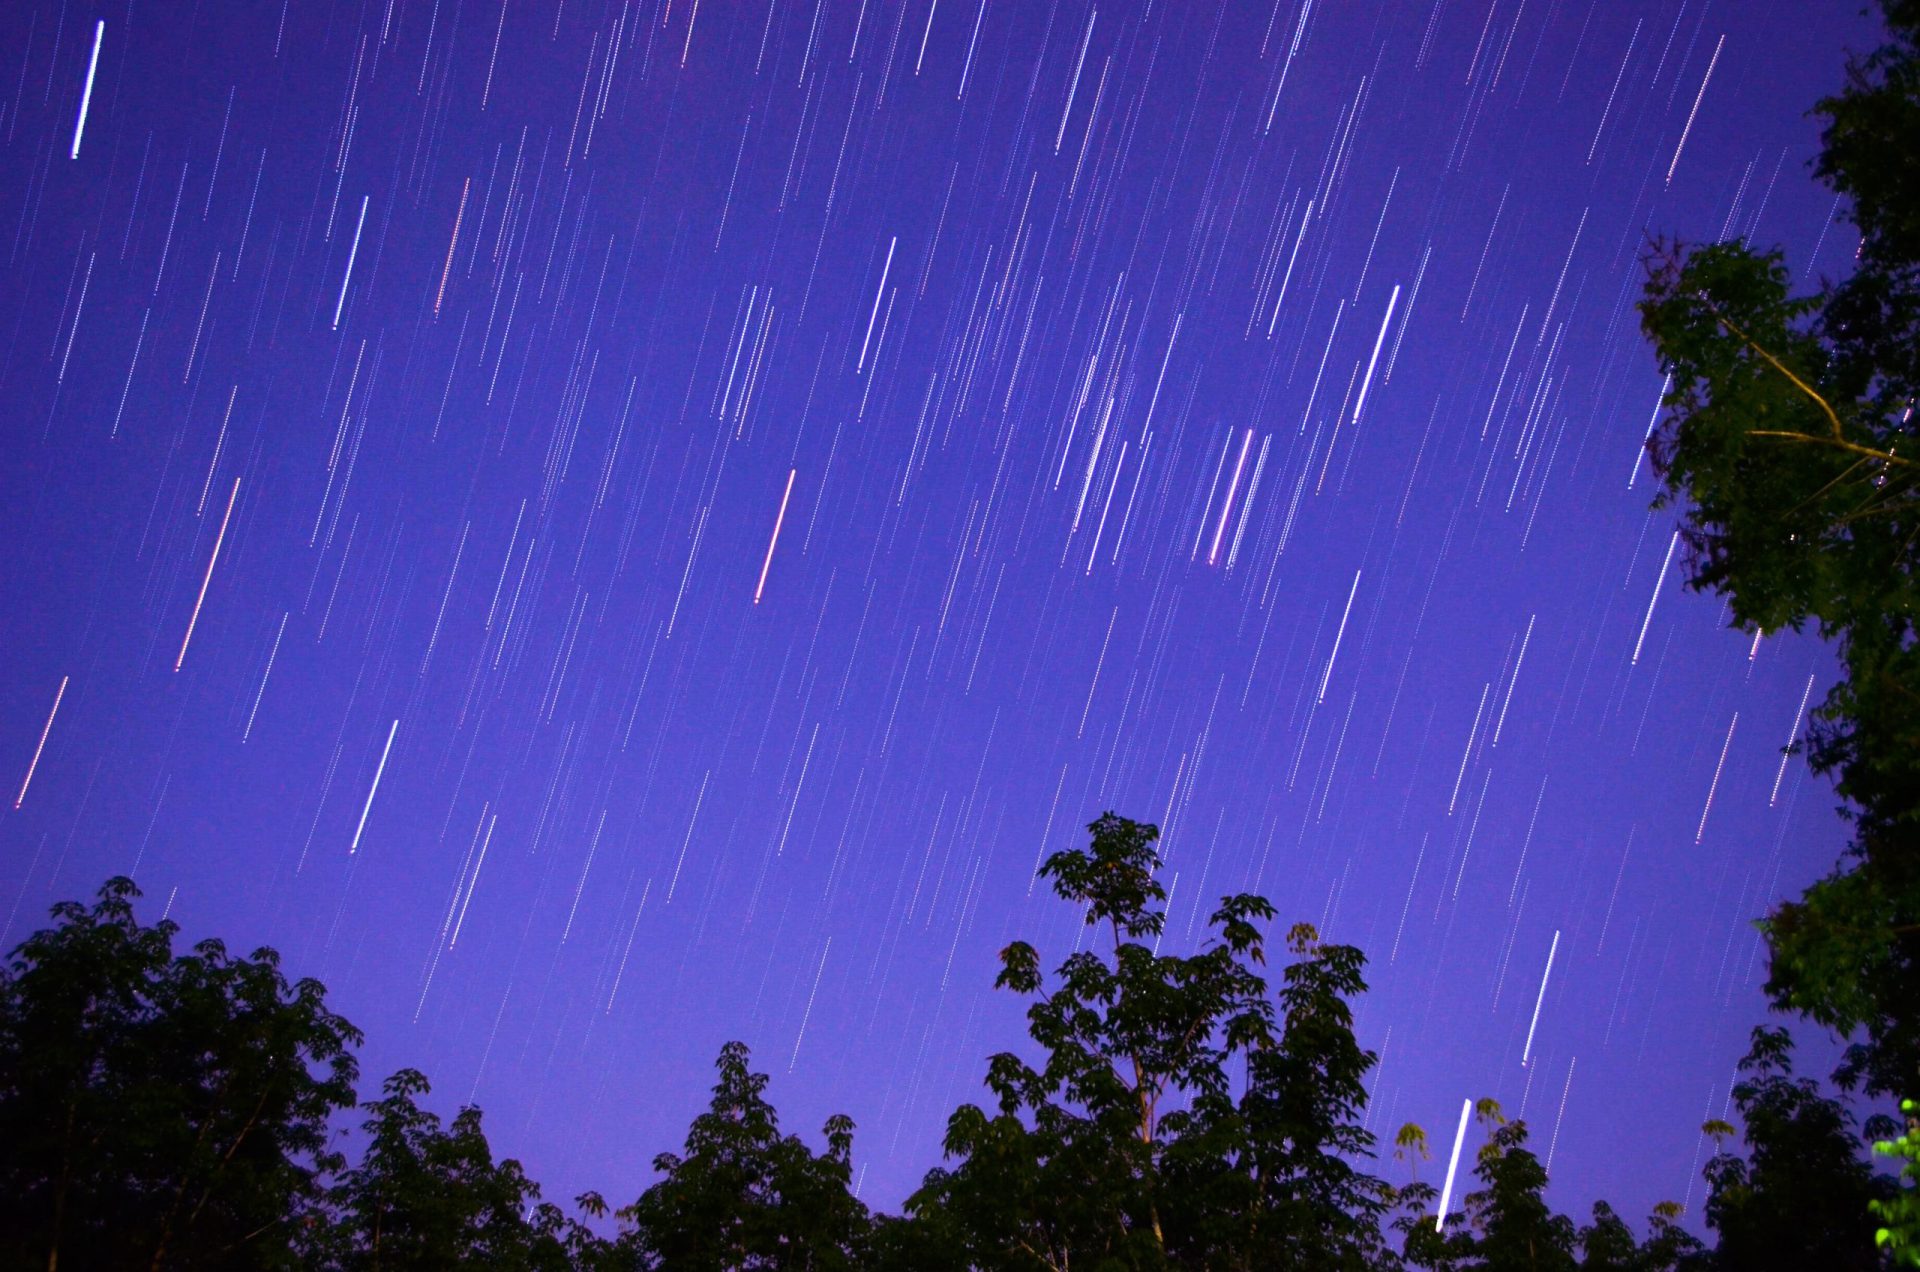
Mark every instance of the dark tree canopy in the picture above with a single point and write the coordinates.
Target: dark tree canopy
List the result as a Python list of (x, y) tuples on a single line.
[(427, 1196), (161, 1110), (1788, 444), (1132, 1142), (1800, 1197), (743, 1196)]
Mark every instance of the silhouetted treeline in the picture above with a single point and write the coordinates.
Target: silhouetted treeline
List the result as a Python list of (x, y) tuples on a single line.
[(166, 1110)]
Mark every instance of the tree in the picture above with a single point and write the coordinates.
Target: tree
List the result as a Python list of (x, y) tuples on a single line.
[(1508, 1226), (1128, 1147), (1608, 1245), (158, 1110), (1900, 1213), (1789, 444), (1801, 1196), (744, 1196), (1285, 1191), (424, 1197)]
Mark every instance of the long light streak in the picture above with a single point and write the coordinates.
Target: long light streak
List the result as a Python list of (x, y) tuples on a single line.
[(86, 94), (1453, 1165), (1700, 831), (261, 692), (375, 790), (44, 731), (451, 244), (1328, 674), (878, 292), (792, 1059), (1641, 453), (1655, 598), (1786, 752), (778, 521), (200, 600), (1711, 62), (1526, 1052), (352, 254), (1213, 551)]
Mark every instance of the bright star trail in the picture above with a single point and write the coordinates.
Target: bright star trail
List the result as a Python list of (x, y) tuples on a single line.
[(1210, 411)]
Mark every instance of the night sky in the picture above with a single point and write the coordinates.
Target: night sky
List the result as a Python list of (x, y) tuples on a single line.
[(599, 527)]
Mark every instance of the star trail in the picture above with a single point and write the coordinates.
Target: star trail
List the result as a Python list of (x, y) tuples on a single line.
[(600, 527)]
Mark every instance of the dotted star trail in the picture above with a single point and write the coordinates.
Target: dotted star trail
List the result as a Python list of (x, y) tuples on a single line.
[(1213, 413)]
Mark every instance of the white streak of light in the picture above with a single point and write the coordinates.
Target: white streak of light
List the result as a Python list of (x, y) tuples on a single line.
[(1696, 109), (473, 882), (1453, 1164), (1517, 664), (1700, 832), (1641, 454), (1098, 664), (1786, 752), (1654, 599), (1561, 1114), (1466, 755), (86, 94), (582, 885), (1074, 87), (611, 994), (768, 563), (809, 1010), (352, 253), (45, 730), (1328, 674), (691, 822), (1541, 997), (433, 638), (375, 789), (877, 294), (1379, 340), (208, 578), (1227, 506), (262, 690)]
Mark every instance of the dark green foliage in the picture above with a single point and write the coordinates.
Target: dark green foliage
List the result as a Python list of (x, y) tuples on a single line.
[(1789, 444), (1607, 1244), (1509, 1227), (162, 1111), (427, 1196), (1516, 1228), (1900, 1214), (1130, 1145), (158, 1110), (1275, 1184), (744, 1196), (1800, 1198)]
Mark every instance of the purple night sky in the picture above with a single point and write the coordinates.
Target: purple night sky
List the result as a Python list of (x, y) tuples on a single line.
[(598, 527)]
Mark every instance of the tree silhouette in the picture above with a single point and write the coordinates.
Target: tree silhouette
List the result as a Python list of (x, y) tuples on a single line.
[(427, 1196), (1788, 444), (160, 1110), (744, 1196), (1800, 1197), (1128, 1145)]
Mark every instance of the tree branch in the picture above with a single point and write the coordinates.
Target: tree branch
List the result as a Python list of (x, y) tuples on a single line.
[(1838, 443)]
